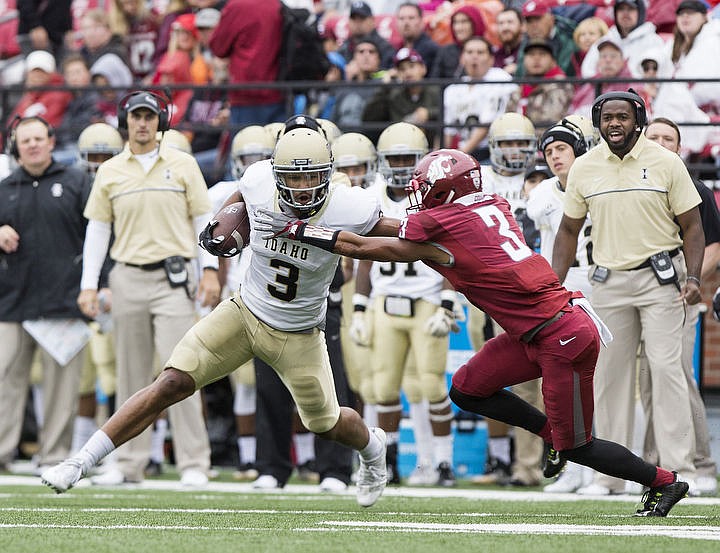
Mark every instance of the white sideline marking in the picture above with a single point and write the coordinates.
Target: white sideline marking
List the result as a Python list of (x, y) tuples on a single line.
[(687, 532)]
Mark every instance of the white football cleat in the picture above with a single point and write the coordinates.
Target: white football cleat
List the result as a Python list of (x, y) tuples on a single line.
[(63, 476), (372, 475), (423, 475), (331, 484), (193, 478)]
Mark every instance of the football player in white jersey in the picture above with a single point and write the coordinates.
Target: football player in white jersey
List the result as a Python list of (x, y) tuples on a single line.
[(560, 146), (276, 316), (513, 147), (410, 324)]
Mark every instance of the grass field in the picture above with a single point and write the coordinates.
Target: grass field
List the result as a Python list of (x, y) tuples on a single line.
[(158, 516)]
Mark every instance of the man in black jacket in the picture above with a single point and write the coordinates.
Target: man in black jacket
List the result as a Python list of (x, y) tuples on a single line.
[(42, 230)]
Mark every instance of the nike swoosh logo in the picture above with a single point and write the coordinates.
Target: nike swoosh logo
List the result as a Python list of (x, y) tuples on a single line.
[(554, 460), (566, 342)]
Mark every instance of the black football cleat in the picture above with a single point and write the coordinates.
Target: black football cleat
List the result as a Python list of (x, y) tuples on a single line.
[(657, 502), (446, 476), (554, 462)]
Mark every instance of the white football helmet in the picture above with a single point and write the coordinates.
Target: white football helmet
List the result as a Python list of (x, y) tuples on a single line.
[(275, 130), (332, 132), (99, 141), (590, 133), (302, 166), (513, 159), (399, 148), (175, 139), (251, 144), (351, 151)]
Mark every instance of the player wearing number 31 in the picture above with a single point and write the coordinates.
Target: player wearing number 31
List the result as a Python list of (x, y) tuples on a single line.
[(276, 316), (471, 238)]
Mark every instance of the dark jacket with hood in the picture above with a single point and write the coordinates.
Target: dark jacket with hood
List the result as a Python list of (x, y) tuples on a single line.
[(447, 60), (42, 278)]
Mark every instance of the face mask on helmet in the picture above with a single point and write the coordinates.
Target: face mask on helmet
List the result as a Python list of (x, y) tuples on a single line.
[(252, 144), (400, 148), (355, 155), (512, 143), (441, 177), (96, 144), (302, 166)]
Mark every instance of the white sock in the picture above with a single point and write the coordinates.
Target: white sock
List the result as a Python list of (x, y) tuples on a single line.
[(443, 449), (499, 448), (247, 447), (373, 449), (370, 414), (422, 430), (83, 429), (157, 442), (392, 437), (304, 447), (97, 447)]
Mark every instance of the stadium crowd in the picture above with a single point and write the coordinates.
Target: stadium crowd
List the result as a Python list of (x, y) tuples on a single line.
[(514, 84)]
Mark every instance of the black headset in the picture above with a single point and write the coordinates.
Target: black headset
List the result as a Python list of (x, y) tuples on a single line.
[(163, 105), (12, 147), (578, 140), (630, 96)]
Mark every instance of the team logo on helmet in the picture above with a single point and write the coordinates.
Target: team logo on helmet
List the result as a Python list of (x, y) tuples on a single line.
[(439, 168)]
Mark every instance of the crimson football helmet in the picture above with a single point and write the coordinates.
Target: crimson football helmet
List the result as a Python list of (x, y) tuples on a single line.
[(442, 177)]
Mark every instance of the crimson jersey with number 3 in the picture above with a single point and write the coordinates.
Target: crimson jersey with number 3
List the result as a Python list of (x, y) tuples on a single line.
[(491, 264)]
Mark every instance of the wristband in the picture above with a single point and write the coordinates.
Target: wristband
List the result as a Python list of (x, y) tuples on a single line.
[(320, 237), (360, 302), (447, 299), (696, 279)]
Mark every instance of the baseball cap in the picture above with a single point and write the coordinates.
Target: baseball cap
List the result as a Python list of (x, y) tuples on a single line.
[(535, 8), (540, 43), (142, 100), (360, 9), (40, 59), (186, 22), (692, 5), (544, 170), (631, 3), (207, 18), (408, 54), (607, 40)]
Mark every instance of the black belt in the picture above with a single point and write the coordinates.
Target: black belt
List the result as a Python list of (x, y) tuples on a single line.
[(149, 266), (530, 334), (645, 264)]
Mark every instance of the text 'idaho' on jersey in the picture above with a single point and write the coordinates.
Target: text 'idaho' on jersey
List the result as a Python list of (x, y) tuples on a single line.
[(491, 264), (287, 283)]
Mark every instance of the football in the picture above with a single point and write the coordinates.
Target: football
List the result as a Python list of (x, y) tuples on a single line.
[(233, 228)]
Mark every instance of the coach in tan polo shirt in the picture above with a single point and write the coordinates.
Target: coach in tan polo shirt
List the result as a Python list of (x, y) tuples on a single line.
[(639, 197), (155, 201)]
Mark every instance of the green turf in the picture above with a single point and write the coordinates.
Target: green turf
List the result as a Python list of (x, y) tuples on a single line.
[(96, 520)]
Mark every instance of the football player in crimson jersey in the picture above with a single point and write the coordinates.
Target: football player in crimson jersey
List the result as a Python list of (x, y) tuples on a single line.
[(471, 238)]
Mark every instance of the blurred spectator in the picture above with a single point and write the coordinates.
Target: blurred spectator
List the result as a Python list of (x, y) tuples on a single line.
[(250, 34), (98, 39), (207, 118), (546, 102), (611, 65), (694, 51), (361, 24), (473, 107), (80, 112), (40, 70), (409, 21), (350, 102), (205, 22), (465, 22), (510, 25), (542, 24), (414, 103), (174, 69), (139, 27), (587, 33), (44, 26), (635, 36), (186, 38), (110, 71), (175, 8)]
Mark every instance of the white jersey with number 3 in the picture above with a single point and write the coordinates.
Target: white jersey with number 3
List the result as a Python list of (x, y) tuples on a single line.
[(287, 283), (393, 278)]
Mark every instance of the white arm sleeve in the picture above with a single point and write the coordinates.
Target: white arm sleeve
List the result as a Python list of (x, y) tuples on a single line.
[(205, 259), (97, 241)]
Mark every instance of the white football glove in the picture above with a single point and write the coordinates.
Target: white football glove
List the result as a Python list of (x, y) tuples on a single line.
[(359, 332), (441, 323), (272, 224)]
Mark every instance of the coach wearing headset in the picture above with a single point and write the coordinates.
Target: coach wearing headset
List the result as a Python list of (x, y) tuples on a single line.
[(639, 197), (41, 239), (155, 201)]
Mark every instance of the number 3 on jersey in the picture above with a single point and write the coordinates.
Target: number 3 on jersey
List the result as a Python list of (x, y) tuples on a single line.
[(514, 246)]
